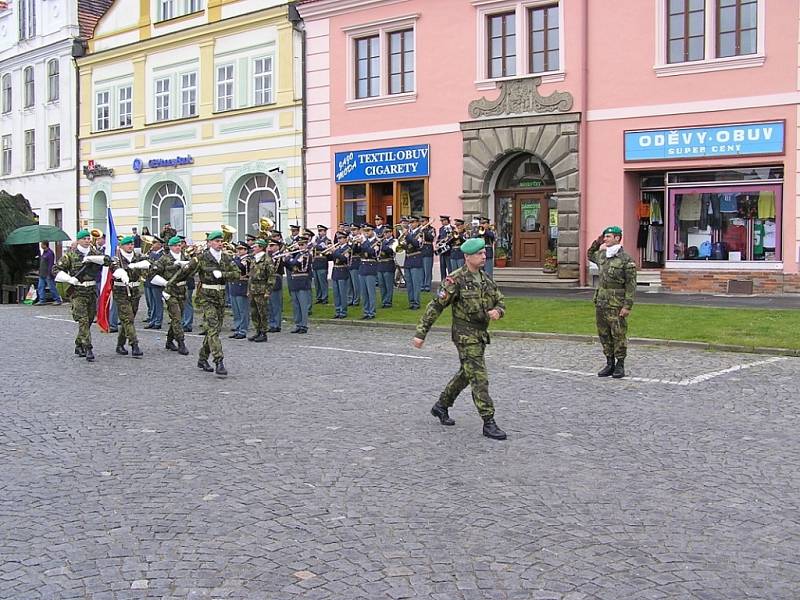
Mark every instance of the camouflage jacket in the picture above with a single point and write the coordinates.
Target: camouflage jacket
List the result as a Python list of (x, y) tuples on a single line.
[(262, 276), (205, 265), (120, 262), (166, 265), (617, 285), (472, 296)]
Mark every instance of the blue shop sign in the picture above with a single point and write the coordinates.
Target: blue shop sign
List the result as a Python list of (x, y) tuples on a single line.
[(744, 139), (154, 163), (401, 162)]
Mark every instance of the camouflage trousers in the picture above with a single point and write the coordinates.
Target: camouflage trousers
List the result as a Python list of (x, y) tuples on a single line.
[(127, 307), (175, 312), (259, 310), (84, 309), (472, 373), (613, 331), (213, 307)]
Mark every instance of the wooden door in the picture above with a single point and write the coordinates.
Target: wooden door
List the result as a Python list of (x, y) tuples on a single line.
[(530, 225)]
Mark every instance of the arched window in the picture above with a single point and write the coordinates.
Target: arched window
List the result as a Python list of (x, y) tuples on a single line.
[(52, 80), (7, 93), (258, 198), (100, 211), (168, 206), (29, 87)]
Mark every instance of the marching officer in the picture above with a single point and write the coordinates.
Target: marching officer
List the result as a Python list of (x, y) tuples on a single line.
[(613, 298), (476, 301), (262, 280), (166, 268), (128, 274), (320, 264)]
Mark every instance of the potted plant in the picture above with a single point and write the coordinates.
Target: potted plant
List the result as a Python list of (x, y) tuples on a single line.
[(550, 262), (500, 257)]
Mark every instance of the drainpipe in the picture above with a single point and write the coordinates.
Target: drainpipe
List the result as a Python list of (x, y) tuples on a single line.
[(582, 145), (78, 50), (297, 22)]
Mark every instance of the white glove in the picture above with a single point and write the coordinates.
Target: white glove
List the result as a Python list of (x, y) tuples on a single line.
[(122, 275), (142, 264), (182, 263), (217, 273), (73, 281), (165, 296), (97, 259), (159, 281), (64, 277)]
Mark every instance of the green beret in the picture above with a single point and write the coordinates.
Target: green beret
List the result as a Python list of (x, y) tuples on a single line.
[(174, 240), (261, 243), (83, 233), (214, 235), (613, 229), (473, 245), (128, 239)]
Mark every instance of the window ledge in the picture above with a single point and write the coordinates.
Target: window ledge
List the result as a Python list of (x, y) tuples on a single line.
[(381, 101), (549, 77), (723, 265), (178, 19), (707, 66), (171, 121)]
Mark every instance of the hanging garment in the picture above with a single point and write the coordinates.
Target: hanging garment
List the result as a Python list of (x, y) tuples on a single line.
[(657, 233), (758, 238), (770, 231), (650, 250), (690, 207), (728, 203), (766, 205), (735, 238), (656, 213), (644, 210), (641, 236)]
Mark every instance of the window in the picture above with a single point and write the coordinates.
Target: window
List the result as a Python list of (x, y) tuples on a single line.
[(737, 25), (502, 45), (194, 6), (401, 61), (30, 149), (686, 30), (125, 105), (27, 19), (54, 139), (262, 83), (258, 198), (169, 9), (168, 206), (28, 89), (354, 203), (6, 155), (544, 42), (162, 98), (368, 58), (7, 93), (225, 87), (166, 9), (102, 111), (188, 94), (52, 80)]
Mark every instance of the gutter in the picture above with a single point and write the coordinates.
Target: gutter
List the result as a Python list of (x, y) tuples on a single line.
[(298, 25), (582, 147), (78, 50)]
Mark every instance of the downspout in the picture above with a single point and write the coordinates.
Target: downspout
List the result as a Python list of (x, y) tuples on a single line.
[(297, 23), (78, 50), (582, 146)]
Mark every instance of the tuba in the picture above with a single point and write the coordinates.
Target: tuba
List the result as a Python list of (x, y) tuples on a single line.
[(147, 244), (227, 237), (265, 227)]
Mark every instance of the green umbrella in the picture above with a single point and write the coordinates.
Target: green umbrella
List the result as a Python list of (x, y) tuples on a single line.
[(33, 234)]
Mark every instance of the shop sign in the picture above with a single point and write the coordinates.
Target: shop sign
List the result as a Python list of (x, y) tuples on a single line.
[(385, 163), (93, 169), (531, 183), (155, 163), (743, 139)]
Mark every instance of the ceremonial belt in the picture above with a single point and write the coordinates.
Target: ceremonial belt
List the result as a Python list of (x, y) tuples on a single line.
[(363, 260), (214, 286), (413, 253), (427, 243), (86, 283), (132, 284), (300, 274)]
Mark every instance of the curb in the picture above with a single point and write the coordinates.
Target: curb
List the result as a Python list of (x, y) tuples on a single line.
[(576, 337)]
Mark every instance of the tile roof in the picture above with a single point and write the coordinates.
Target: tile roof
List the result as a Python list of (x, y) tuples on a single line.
[(89, 13)]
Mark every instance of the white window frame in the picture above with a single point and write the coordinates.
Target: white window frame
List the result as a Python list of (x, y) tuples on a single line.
[(124, 106), (193, 6), (28, 87), (190, 89), (219, 82), (30, 150), (54, 146), (100, 105), (710, 62), (27, 19), (487, 8), (6, 168), (382, 29), (268, 75), (7, 91), (162, 100), (53, 80), (166, 10)]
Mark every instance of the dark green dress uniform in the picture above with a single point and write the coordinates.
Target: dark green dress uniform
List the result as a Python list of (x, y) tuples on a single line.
[(615, 291), (168, 266), (471, 296), (259, 288)]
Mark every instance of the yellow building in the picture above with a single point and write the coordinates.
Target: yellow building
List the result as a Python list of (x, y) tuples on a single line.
[(191, 114)]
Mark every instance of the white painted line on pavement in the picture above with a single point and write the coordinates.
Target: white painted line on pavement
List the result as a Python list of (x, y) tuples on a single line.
[(138, 330), (707, 376), (585, 374), (368, 352), (54, 319)]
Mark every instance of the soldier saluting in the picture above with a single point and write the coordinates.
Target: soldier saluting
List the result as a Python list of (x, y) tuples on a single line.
[(613, 298), (476, 300)]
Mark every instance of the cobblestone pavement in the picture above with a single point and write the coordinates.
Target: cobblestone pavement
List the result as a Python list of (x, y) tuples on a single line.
[(314, 473)]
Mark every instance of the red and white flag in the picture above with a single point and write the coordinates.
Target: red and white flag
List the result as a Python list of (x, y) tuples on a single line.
[(106, 280)]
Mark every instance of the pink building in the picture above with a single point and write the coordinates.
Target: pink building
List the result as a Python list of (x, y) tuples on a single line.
[(676, 119)]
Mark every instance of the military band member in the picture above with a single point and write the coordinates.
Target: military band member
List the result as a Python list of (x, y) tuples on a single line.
[(237, 290), (413, 264), (442, 245), (428, 235), (340, 275), (79, 267), (262, 280), (276, 295), (368, 271), (475, 301), (165, 269), (128, 271), (320, 264), (386, 266), (458, 238), (490, 238), (613, 298), (299, 265), (379, 226), (355, 265)]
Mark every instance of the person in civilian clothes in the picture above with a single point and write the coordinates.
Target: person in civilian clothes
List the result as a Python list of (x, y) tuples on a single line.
[(428, 235), (489, 237), (368, 271), (320, 264), (46, 261), (456, 255), (187, 318), (276, 295), (237, 290), (340, 276), (262, 280), (379, 226), (413, 264), (444, 256), (386, 267), (175, 297), (355, 265), (299, 265), (156, 301)]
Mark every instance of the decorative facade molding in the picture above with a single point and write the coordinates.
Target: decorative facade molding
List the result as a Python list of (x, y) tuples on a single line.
[(520, 96)]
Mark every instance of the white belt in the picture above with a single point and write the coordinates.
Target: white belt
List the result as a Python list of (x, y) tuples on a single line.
[(181, 283), (213, 286), (133, 284), (86, 284)]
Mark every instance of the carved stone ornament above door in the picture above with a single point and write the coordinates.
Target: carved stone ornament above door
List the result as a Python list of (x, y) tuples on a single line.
[(520, 96)]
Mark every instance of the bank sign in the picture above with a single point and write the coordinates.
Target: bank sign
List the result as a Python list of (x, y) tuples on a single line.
[(156, 163), (401, 162), (744, 139)]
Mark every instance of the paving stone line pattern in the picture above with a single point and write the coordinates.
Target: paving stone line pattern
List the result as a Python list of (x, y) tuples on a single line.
[(319, 474)]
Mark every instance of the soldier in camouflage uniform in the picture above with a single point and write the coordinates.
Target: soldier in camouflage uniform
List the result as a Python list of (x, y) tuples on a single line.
[(167, 267), (80, 268), (613, 298), (215, 267), (259, 288), (476, 301), (128, 279)]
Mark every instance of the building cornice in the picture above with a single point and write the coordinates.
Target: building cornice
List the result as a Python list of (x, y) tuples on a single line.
[(332, 8), (58, 47)]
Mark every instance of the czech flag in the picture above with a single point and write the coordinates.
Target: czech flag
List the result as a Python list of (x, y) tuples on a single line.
[(106, 280)]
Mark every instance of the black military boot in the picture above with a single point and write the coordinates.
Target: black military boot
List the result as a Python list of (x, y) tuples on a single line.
[(203, 364), (89, 354), (253, 337), (182, 350), (135, 352), (80, 351), (170, 345), (608, 369), (440, 412), (261, 337), (619, 369), (221, 371), (122, 350), (491, 430)]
